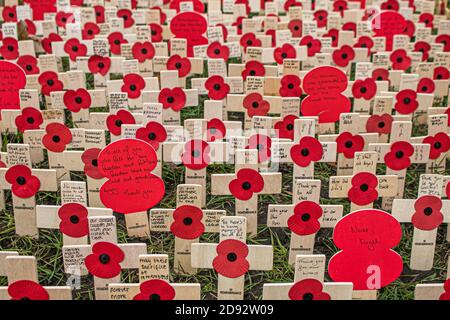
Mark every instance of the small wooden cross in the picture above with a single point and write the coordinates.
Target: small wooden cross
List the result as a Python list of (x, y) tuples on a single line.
[(434, 291)]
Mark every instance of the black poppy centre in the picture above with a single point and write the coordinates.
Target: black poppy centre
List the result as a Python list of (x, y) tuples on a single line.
[(246, 185), (305, 152), (306, 217), (21, 180), (196, 153), (381, 124), (74, 219), (170, 99), (104, 258), (152, 136), (56, 139), (30, 120), (399, 154), (29, 67), (437, 145), (94, 162), (348, 144), (364, 187), (232, 257), (154, 296), (308, 296), (187, 221), (428, 211), (118, 123)]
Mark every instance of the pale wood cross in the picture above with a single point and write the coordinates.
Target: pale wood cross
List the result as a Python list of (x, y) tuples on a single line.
[(432, 291)]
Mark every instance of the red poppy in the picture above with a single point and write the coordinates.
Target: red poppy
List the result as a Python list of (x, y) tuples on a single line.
[(74, 48), (217, 88), (263, 144), (49, 82), (27, 290), (162, 15), (343, 56), (253, 69), (290, 86), (115, 40), (273, 36), (406, 102), (363, 190), (187, 222), (47, 42), (155, 289), (308, 289), (154, 133), (424, 47), (445, 40), (305, 221), (287, 51), (426, 85), (99, 14), (296, 27), (369, 13), (400, 60), (75, 100), (31, 27), (156, 32), (340, 6), (90, 30), (380, 74), (255, 105), (29, 119), (427, 215), (172, 98), (350, 26), (365, 89), (133, 83), (90, 160), (9, 14), (28, 64), (247, 182), (334, 35), (23, 183), (410, 30), (320, 16), (127, 17), (285, 127), (74, 222), (57, 137), (183, 65), (427, 19), (447, 112), (439, 143), (348, 144), (114, 122), (216, 130), (398, 158), (379, 124), (10, 48), (365, 42), (104, 261), (291, 3), (224, 31), (446, 294), (249, 40), (238, 24), (62, 18), (441, 73), (390, 5), (231, 259), (217, 51), (99, 64), (196, 154), (308, 150), (314, 45)]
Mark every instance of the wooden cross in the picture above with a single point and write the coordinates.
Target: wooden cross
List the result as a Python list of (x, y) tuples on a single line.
[(188, 224), (426, 213), (433, 291), (232, 258), (246, 190), (308, 269), (154, 267)]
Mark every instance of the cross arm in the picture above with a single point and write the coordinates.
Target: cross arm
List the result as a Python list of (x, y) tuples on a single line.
[(47, 216), (340, 185), (281, 151), (337, 291), (47, 177), (127, 291), (220, 182)]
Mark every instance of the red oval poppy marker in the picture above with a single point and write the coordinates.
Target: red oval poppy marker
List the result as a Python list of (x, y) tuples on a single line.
[(12, 79)]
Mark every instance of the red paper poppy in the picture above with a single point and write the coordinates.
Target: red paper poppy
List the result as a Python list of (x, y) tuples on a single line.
[(10, 48), (400, 60), (99, 64), (172, 98), (90, 160), (27, 290), (441, 73), (406, 102), (308, 289), (348, 144), (249, 40), (75, 100), (308, 150), (343, 56), (296, 27), (216, 130), (29, 119), (154, 133), (426, 85), (398, 158), (365, 42), (285, 127), (320, 16), (273, 37), (217, 51), (305, 221), (334, 35), (23, 183), (47, 42), (74, 48), (104, 261), (114, 122), (314, 45), (217, 88), (363, 190), (424, 47), (156, 32), (77, 3), (196, 154), (224, 31), (62, 18), (31, 27), (427, 215), (445, 40), (155, 289), (9, 14), (49, 82), (127, 17), (231, 259), (90, 30), (253, 69), (350, 26), (290, 86), (187, 222), (57, 137), (99, 14), (28, 64), (291, 3), (255, 105), (379, 124), (247, 182), (410, 29), (115, 40), (183, 65), (238, 24), (162, 15), (340, 6), (133, 83), (263, 144), (390, 5), (380, 74), (447, 112), (427, 19), (446, 294), (74, 220), (287, 51), (365, 89), (439, 143), (369, 13)]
